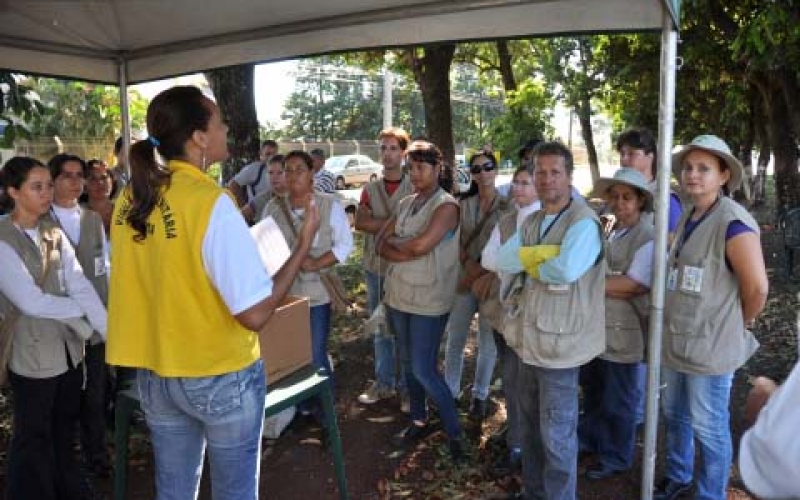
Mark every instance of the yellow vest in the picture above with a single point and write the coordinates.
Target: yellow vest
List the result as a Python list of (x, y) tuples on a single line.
[(164, 313)]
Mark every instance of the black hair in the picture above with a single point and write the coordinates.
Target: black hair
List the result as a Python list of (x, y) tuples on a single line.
[(90, 166), (640, 138), (554, 148), (172, 117), (425, 151), (269, 142), (13, 174), (278, 158), (528, 147), (297, 153), (56, 164)]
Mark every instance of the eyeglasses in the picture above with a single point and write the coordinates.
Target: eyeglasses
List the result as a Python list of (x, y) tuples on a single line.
[(483, 167)]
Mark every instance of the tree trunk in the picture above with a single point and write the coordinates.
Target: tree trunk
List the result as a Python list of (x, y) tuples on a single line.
[(782, 141), (506, 69), (431, 65), (234, 90), (584, 112)]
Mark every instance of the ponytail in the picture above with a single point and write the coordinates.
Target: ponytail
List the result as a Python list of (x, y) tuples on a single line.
[(148, 178)]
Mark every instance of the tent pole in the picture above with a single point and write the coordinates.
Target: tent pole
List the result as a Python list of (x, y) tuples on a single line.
[(122, 67), (666, 119)]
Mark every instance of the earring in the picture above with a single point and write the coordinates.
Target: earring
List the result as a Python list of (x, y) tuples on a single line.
[(204, 159)]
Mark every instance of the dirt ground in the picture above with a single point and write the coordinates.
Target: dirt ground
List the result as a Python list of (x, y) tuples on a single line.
[(297, 466)]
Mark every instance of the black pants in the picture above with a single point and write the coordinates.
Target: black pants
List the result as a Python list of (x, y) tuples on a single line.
[(93, 406), (41, 462)]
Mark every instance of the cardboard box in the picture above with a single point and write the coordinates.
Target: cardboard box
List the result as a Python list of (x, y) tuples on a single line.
[(286, 339)]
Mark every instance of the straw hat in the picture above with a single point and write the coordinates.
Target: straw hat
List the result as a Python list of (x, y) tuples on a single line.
[(717, 147), (629, 177)]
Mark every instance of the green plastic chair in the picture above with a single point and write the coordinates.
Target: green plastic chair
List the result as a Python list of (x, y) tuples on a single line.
[(305, 383)]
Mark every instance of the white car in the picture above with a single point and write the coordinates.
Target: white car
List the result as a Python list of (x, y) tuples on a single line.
[(353, 169)]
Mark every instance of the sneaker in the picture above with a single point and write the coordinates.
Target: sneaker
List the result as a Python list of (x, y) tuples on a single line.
[(374, 393), (477, 410), (412, 435), (670, 490), (509, 463), (405, 403)]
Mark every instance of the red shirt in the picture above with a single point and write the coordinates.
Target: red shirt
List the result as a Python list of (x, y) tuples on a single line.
[(390, 186)]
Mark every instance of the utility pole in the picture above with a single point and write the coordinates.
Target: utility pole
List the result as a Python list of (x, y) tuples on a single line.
[(388, 119)]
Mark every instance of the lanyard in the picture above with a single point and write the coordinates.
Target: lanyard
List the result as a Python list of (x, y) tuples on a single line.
[(558, 216), (688, 231)]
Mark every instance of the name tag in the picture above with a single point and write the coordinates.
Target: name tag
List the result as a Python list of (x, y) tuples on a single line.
[(692, 280), (99, 267), (553, 288), (62, 280), (672, 279)]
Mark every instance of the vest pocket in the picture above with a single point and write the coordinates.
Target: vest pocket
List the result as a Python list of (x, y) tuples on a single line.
[(555, 335)]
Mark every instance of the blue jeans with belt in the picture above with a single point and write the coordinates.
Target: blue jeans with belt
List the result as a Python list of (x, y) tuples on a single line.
[(418, 338), (224, 413), (696, 406)]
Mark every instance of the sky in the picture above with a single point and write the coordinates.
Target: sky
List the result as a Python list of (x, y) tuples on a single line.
[(274, 83)]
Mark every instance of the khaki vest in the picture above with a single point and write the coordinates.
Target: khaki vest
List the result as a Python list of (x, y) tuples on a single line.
[(372, 261), (39, 350), (426, 285), (164, 312), (626, 320), (704, 330), (306, 284), (563, 325), (471, 217), (492, 309), (89, 251)]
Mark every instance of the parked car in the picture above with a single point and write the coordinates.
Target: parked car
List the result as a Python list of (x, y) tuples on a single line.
[(353, 169)]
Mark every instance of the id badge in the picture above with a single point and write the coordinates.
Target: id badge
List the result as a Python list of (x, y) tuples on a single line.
[(692, 280), (672, 279), (99, 267), (62, 280)]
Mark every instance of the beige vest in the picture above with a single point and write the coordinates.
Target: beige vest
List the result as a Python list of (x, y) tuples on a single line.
[(426, 285), (704, 331), (89, 251), (492, 309), (377, 196), (306, 284), (563, 325), (626, 320), (39, 344), (470, 219)]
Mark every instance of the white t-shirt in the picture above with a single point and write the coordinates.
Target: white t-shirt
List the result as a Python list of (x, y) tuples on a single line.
[(248, 176), (231, 259)]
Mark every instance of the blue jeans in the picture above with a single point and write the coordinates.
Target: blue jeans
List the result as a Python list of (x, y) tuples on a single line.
[(320, 333), (696, 406), (186, 414), (385, 346), (419, 338), (464, 308), (611, 395), (549, 420)]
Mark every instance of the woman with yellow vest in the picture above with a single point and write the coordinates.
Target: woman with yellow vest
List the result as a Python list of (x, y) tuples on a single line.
[(421, 244), (333, 242), (187, 294), (716, 286), (43, 296)]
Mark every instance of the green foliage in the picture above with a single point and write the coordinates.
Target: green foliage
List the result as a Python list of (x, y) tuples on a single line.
[(80, 110), (529, 115), (18, 106)]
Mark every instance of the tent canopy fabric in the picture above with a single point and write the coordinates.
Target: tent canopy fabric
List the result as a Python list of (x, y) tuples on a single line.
[(88, 39)]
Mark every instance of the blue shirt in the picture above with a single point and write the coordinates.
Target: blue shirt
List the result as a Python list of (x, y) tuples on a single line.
[(580, 250)]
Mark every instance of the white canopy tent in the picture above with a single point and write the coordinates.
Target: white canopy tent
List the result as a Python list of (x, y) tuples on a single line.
[(132, 41)]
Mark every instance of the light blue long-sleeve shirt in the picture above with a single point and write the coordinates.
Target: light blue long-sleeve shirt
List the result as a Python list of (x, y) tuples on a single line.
[(579, 251)]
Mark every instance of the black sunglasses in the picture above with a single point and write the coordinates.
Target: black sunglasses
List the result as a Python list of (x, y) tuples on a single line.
[(485, 167)]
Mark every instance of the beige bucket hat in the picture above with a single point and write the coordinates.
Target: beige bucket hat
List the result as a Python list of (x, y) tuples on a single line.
[(629, 177), (717, 147)]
